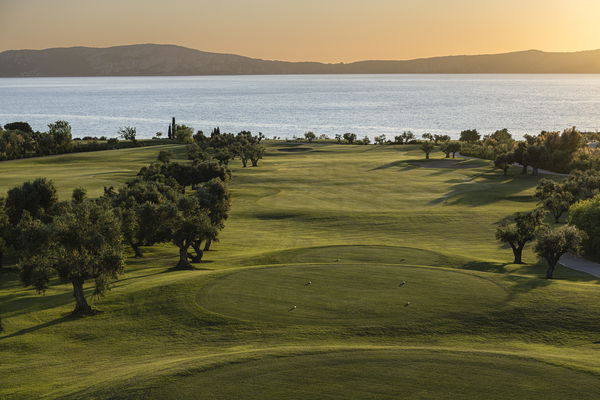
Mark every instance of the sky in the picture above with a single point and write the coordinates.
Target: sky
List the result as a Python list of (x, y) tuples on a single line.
[(302, 30)]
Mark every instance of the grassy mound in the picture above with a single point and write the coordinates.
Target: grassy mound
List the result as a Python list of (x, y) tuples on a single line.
[(355, 254), (386, 374)]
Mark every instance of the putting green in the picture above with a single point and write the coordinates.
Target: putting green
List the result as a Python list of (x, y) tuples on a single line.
[(409, 374), (349, 294)]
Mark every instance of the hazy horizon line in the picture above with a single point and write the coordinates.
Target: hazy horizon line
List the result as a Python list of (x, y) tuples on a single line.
[(302, 61)]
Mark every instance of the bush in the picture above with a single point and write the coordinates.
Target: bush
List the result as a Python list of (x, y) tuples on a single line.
[(585, 215)]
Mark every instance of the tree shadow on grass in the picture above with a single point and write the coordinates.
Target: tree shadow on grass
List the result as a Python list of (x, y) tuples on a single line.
[(522, 285), (19, 304), (484, 266), (487, 188), (9, 278), (402, 164), (35, 328), (193, 267)]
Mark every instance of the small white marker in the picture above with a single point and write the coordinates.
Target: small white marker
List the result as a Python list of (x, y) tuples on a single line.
[(292, 309)]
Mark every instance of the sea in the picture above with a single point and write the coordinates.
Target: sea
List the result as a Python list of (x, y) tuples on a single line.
[(287, 106)]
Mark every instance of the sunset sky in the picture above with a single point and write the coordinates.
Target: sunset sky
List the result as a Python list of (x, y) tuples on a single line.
[(318, 30)]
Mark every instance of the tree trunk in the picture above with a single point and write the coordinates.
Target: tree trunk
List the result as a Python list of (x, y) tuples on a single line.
[(557, 217), (427, 156), (447, 155), (550, 271), (137, 250), (453, 155), (255, 163), (524, 170), (207, 245), (244, 162), (505, 171), (81, 305), (183, 257), (535, 171), (199, 253), (518, 253)]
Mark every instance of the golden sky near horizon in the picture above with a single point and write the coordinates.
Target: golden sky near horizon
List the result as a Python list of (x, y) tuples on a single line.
[(316, 30)]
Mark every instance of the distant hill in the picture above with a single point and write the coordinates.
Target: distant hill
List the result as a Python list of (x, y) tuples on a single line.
[(170, 60)]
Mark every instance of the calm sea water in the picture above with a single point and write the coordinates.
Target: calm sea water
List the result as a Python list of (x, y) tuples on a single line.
[(291, 105)]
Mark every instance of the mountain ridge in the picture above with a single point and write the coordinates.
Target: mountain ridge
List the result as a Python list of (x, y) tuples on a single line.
[(172, 60)]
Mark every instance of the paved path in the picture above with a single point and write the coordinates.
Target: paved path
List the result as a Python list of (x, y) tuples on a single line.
[(580, 264)]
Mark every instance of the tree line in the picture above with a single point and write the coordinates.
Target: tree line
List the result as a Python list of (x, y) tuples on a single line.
[(84, 240), (19, 140), (579, 196), (225, 147), (556, 151)]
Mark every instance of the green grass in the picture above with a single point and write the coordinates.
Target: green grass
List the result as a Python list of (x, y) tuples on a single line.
[(406, 374), (354, 220)]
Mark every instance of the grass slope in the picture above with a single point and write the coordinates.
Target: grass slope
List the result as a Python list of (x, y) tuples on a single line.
[(354, 220)]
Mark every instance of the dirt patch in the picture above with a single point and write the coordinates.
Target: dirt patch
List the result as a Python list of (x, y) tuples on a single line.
[(446, 163)]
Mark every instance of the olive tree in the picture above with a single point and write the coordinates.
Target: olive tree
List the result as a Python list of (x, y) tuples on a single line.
[(164, 156), (585, 215), (255, 153), (183, 134), (453, 147), (215, 198), (128, 133), (441, 138), (518, 233), (81, 243), (470, 135), (552, 244), (189, 226), (554, 197), (310, 136), (37, 198), (427, 147), (350, 137), (140, 206), (536, 156), (503, 161), (381, 139)]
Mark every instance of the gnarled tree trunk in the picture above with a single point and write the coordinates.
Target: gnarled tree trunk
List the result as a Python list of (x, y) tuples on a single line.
[(196, 258), (183, 257), (81, 305), (137, 250), (524, 170), (207, 245), (518, 253), (550, 271)]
